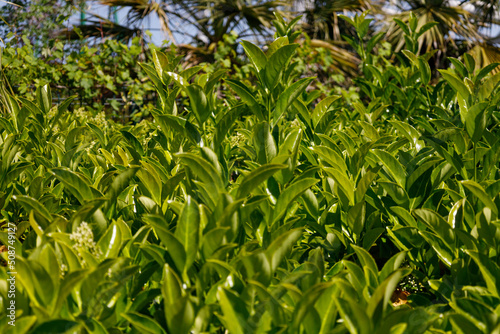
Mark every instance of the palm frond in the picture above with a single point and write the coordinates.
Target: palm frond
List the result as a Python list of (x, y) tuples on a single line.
[(140, 9), (454, 22), (322, 21), (98, 27), (485, 54)]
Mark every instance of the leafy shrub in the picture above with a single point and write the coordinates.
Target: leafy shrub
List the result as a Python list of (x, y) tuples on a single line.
[(105, 77), (254, 208)]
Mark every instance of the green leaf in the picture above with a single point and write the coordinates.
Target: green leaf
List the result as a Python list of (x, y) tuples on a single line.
[(344, 186), (65, 104), (425, 28), (187, 230), (439, 246), (355, 318), (311, 203), (172, 244), (74, 182), (463, 325), (224, 125), (110, 243), (98, 132), (204, 170), (332, 157), (151, 180), (392, 165), (22, 325), (287, 97), (425, 70), (475, 121), (199, 102), (234, 310), (179, 311), (95, 327), (255, 54), (133, 141), (488, 86), (142, 323), (44, 98), (306, 306), (365, 259), (393, 264), (456, 83), (246, 96), (277, 63), (439, 225), (459, 67), (485, 71), (478, 312), (32, 204), (289, 195), (347, 19), (120, 183), (264, 144), (481, 194), (321, 109), (55, 326), (356, 218), (256, 177), (489, 270), (281, 246), (380, 299), (160, 62)]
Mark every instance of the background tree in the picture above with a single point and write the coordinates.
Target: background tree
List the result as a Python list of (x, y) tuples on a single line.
[(35, 19)]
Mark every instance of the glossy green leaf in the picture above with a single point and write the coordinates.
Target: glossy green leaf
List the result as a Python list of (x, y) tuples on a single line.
[(256, 177), (187, 230), (172, 244), (246, 96), (110, 243), (281, 246), (143, 323), (481, 194), (255, 54), (75, 183), (321, 109), (287, 97), (264, 144), (289, 195), (203, 170), (234, 311), (277, 63), (392, 165), (456, 83)]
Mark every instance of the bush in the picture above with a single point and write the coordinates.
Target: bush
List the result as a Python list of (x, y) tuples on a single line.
[(247, 206)]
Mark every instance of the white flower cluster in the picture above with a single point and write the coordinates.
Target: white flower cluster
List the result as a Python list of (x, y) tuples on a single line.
[(238, 139), (89, 148), (84, 239), (295, 123), (80, 113), (64, 269), (410, 283), (52, 113), (100, 119)]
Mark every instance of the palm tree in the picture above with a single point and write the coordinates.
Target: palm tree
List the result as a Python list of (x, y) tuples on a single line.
[(321, 19), (457, 32), (454, 23), (138, 10), (204, 21)]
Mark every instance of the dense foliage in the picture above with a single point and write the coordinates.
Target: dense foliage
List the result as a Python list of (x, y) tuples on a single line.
[(257, 204), (105, 77)]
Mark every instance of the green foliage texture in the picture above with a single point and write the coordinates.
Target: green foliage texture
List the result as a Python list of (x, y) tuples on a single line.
[(259, 204)]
